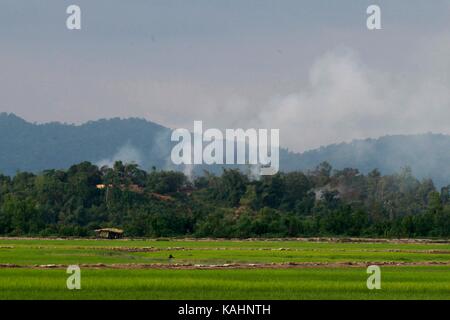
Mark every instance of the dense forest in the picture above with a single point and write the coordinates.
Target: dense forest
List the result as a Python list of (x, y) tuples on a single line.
[(319, 202)]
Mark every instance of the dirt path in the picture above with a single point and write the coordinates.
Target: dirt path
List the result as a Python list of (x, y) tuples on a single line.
[(288, 265), (312, 239), (165, 249)]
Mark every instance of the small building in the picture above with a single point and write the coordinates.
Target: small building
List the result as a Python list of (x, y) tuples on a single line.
[(124, 187), (109, 233)]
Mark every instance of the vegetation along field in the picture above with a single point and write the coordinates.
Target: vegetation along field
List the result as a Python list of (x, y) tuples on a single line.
[(223, 269)]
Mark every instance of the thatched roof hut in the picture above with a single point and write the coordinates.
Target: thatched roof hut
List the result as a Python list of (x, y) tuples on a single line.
[(109, 233)]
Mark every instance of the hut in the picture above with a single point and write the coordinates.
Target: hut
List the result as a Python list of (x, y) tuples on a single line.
[(109, 233)]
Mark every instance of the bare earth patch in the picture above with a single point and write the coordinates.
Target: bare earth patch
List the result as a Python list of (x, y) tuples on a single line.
[(312, 239), (286, 265)]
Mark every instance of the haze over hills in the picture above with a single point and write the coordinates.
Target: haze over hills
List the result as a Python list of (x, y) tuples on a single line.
[(36, 147), (428, 155)]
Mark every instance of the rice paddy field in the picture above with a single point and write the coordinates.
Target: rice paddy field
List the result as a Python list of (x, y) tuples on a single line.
[(216, 269)]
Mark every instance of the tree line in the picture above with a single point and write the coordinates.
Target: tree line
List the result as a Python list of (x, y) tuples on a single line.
[(319, 202)]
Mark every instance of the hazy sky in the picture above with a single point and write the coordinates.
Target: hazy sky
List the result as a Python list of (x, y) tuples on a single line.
[(309, 68)]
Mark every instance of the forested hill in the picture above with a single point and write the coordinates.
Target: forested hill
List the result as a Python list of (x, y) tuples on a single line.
[(322, 202), (36, 147), (428, 155)]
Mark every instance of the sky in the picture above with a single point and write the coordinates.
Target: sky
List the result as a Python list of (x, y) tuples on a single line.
[(309, 68)]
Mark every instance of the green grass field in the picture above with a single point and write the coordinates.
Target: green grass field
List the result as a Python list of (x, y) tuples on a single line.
[(419, 271)]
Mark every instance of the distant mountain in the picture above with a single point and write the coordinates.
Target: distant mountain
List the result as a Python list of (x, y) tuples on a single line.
[(33, 147), (428, 155)]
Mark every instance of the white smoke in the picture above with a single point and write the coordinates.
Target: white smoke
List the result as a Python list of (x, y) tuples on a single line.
[(342, 98), (345, 99), (127, 154), (188, 170)]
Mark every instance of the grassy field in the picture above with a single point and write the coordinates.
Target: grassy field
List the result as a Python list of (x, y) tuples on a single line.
[(35, 269)]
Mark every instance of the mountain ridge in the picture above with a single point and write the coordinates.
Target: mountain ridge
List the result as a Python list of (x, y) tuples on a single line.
[(36, 147)]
